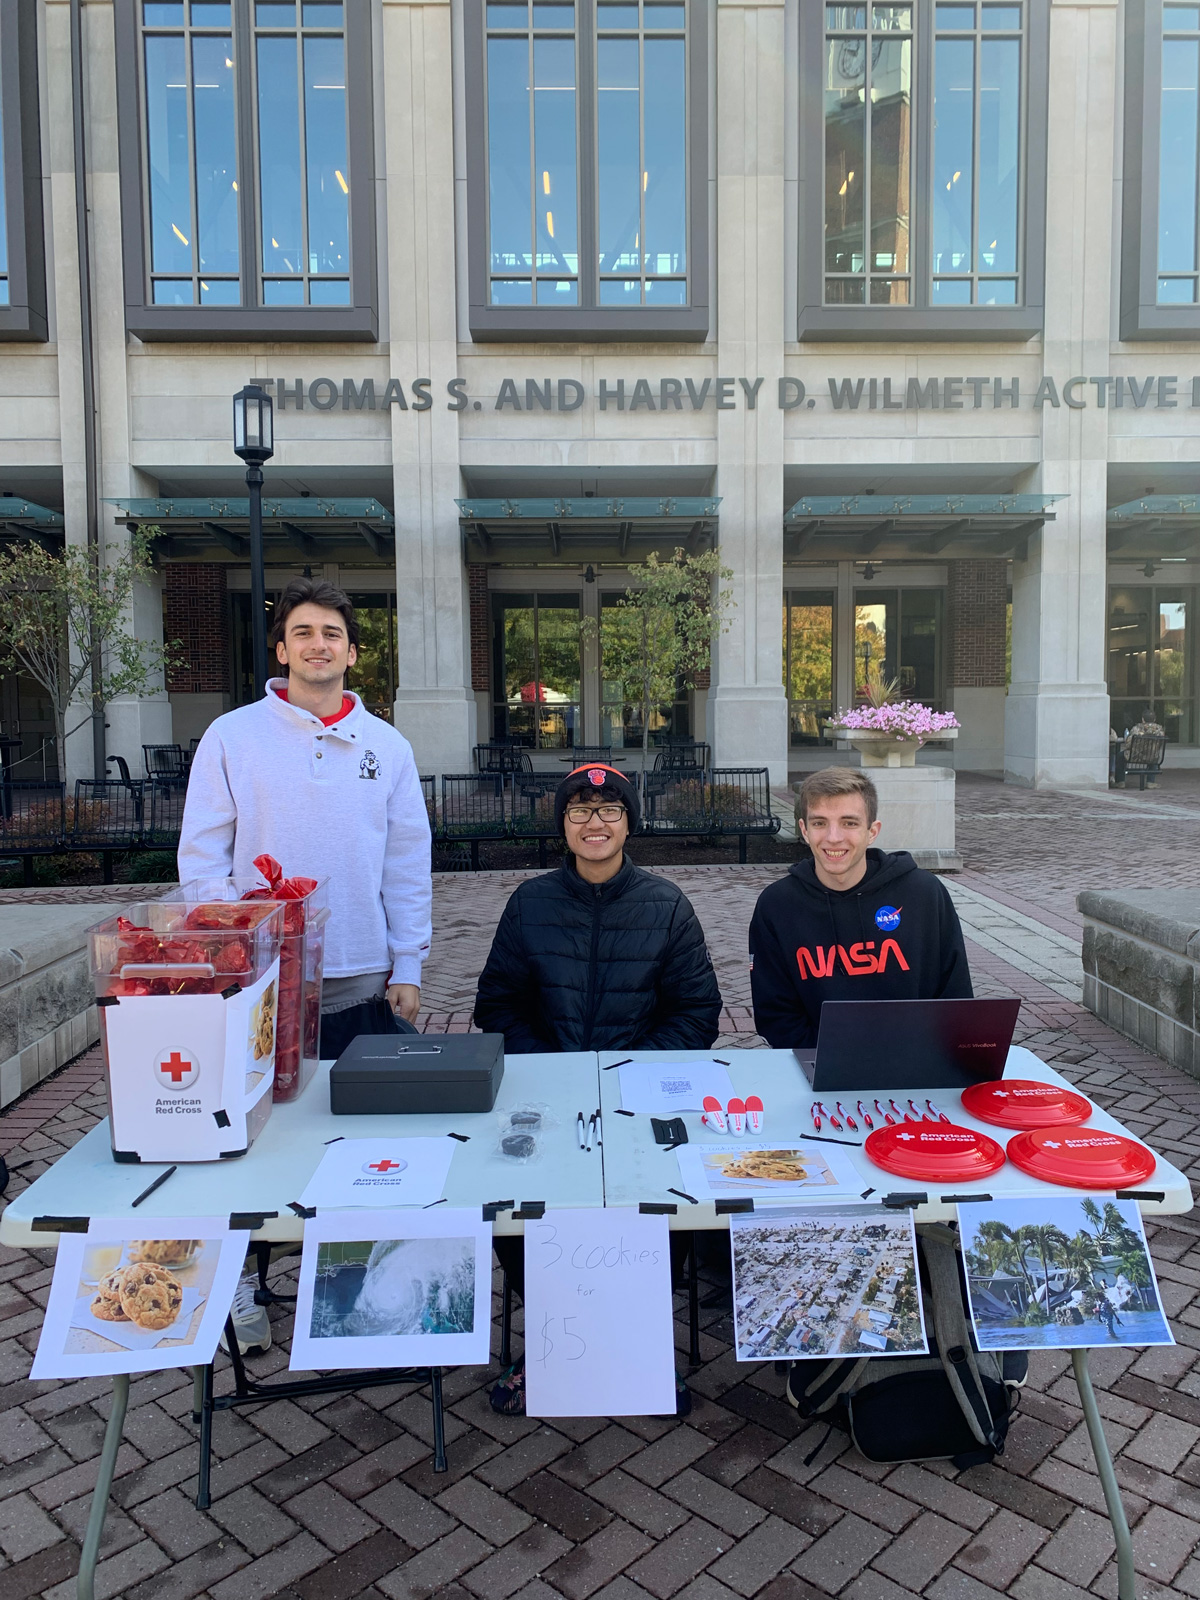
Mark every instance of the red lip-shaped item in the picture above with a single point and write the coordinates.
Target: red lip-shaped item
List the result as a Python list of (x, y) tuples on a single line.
[(1025, 1103), (938, 1152), (1082, 1158)]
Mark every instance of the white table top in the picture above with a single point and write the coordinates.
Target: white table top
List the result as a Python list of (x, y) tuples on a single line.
[(636, 1169), (630, 1169), (88, 1182)]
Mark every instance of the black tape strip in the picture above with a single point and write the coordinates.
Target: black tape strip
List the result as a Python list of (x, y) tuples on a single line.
[(1140, 1194), (493, 1208), (684, 1195), (657, 1208), (613, 1064), (249, 1219), (109, 1000), (530, 1210), (302, 1211), (621, 1112), (719, 1062), (904, 1200), (962, 1199), (221, 1118), (59, 1225), (228, 994), (463, 1138), (725, 1208)]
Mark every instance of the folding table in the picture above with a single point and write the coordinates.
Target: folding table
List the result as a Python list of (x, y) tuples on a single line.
[(639, 1172)]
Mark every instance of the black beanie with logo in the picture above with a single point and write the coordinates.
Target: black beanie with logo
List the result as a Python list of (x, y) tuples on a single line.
[(594, 775)]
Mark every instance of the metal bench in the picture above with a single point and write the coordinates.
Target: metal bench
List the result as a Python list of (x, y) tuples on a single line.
[(34, 823), (474, 808), (108, 816), (1144, 757), (740, 803)]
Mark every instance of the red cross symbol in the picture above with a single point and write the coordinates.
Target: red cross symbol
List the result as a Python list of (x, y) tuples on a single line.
[(384, 1166), (175, 1067)]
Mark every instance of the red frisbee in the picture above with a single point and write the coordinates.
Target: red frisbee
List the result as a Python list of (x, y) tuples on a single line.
[(939, 1152), (1082, 1158), (1025, 1103)]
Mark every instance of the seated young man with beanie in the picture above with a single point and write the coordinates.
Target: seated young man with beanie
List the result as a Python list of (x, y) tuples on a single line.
[(854, 923), (596, 956)]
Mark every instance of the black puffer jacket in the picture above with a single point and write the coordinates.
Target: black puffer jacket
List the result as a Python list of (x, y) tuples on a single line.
[(620, 965)]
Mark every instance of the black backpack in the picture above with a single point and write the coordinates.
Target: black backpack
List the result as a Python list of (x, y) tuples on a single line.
[(954, 1404)]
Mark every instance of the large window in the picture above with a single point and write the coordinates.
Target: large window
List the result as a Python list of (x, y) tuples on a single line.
[(22, 244), (929, 165), (587, 158), (246, 142), (536, 670), (1151, 666), (898, 635), (808, 663), (1160, 271)]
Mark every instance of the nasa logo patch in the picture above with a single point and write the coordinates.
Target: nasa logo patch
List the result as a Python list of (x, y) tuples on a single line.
[(887, 919)]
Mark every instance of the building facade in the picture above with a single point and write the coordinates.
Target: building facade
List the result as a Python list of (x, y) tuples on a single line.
[(896, 302)]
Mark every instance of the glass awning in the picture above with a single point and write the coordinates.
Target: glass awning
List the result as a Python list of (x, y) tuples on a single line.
[(41, 518), (829, 527), (639, 508), (1156, 505), (922, 507), (300, 509)]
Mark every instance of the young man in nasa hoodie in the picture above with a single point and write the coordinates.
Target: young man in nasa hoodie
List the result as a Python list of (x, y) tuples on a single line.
[(851, 924)]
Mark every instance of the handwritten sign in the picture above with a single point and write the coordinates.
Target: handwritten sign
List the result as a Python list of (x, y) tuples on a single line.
[(599, 1339)]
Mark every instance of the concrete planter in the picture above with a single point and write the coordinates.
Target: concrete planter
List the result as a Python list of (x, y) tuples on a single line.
[(877, 749), (1141, 968)]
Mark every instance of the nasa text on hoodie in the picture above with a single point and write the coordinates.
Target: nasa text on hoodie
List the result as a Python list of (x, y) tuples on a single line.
[(894, 936), (342, 802)]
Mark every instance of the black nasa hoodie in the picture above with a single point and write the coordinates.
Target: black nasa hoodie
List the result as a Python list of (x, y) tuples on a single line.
[(894, 936)]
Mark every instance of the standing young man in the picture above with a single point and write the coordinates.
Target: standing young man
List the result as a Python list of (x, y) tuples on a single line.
[(854, 923), (309, 776)]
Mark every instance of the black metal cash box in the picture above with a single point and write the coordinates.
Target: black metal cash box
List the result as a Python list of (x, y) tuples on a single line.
[(404, 1073)]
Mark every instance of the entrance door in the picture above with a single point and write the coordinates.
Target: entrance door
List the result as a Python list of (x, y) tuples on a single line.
[(898, 633), (620, 717), (536, 670), (373, 675), (1151, 671)]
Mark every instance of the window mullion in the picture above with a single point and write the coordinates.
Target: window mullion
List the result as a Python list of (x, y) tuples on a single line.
[(921, 207), (245, 77), (588, 152), (189, 78), (302, 146), (976, 167), (531, 111)]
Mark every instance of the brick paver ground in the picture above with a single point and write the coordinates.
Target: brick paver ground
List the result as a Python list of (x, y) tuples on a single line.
[(334, 1499)]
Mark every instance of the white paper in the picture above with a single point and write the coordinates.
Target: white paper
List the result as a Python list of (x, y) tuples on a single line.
[(381, 1172), (826, 1282), (75, 1343), (1063, 1273), (599, 1322), (665, 1088), (766, 1170), (394, 1289)]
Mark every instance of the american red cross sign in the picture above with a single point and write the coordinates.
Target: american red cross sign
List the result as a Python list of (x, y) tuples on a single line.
[(383, 1166)]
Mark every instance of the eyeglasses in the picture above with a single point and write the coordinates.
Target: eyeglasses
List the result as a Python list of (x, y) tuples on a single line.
[(586, 813)]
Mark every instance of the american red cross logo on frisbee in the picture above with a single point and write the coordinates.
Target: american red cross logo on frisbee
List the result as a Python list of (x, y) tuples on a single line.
[(384, 1168), (176, 1069)]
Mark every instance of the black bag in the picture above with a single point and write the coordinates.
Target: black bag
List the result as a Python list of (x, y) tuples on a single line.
[(954, 1404)]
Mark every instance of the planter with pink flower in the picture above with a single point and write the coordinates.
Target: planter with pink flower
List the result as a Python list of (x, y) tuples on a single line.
[(891, 733)]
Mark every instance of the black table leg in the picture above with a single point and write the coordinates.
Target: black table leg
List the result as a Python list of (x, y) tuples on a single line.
[(203, 1487), (505, 1320), (694, 1301), (439, 1421)]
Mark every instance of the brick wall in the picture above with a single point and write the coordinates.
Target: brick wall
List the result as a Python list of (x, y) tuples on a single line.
[(977, 604), (477, 587), (195, 614)]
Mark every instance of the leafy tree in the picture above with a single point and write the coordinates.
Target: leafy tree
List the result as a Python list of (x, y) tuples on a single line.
[(1092, 1212), (64, 613), (1082, 1255), (1049, 1242), (663, 627)]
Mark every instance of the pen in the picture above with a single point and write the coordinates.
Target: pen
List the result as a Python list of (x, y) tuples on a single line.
[(591, 1131), (599, 1130), (865, 1115), (916, 1115), (850, 1122), (832, 1119), (157, 1184), (579, 1128), (814, 1111), (899, 1114), (886, 1115), (939, 1115)]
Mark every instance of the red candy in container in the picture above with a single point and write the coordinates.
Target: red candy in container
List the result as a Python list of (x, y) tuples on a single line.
[(188, 1001), (301, 958)]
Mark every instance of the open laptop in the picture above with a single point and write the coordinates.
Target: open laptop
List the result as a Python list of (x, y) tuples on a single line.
[(909, 1044)]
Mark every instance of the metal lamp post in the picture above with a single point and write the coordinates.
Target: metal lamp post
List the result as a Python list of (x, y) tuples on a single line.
[(254, 441)]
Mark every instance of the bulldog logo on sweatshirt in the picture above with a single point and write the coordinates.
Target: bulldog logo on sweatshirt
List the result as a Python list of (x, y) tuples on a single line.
[(368, 767)]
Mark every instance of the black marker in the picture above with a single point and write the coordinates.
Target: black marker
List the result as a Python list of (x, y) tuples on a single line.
[(157, 1184)]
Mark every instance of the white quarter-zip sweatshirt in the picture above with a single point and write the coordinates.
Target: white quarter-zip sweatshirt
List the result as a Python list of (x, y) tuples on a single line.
[(342, 803)]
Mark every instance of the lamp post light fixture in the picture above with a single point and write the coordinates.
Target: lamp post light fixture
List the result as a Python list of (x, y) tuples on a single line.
[(254, 441)]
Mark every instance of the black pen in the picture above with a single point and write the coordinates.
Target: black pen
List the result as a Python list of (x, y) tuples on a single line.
[(579, 1128), (591, 1131), (157, 1184)]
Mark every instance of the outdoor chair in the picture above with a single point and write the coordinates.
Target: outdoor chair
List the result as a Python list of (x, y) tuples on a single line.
[(1144, 757), (592, 752), (165, 763)]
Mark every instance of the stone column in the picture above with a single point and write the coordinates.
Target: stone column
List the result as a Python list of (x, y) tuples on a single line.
[(1056, 726), (747, 707), (977, 599), (435, 704)]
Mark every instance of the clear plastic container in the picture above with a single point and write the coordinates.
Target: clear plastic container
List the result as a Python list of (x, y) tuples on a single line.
[(187, 1085), (301, 968)]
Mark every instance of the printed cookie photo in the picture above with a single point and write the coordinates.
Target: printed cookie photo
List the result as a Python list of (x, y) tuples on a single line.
[(141, 1293)]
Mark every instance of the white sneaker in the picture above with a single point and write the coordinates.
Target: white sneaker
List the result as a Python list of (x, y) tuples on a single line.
[(250, 1321)]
